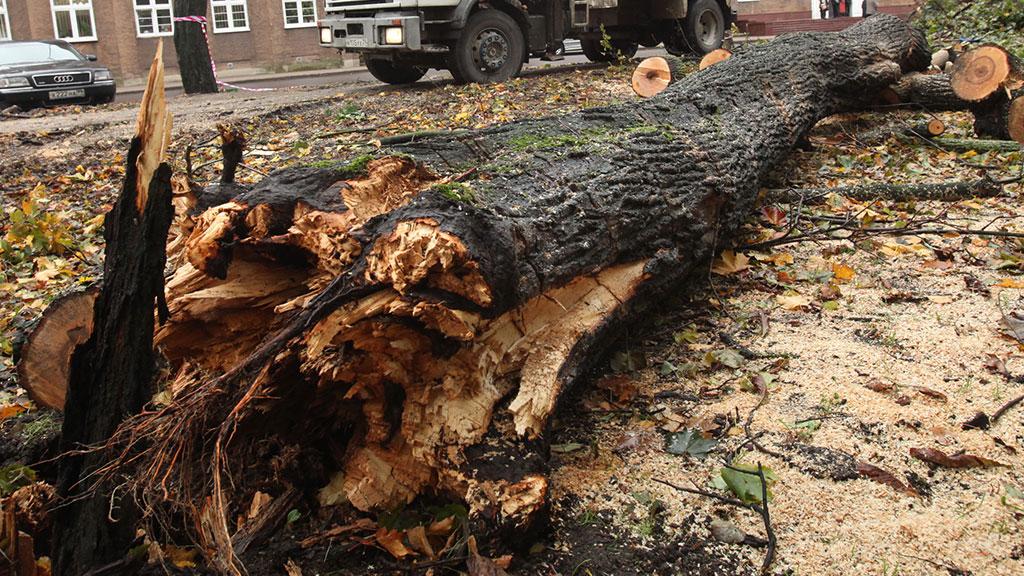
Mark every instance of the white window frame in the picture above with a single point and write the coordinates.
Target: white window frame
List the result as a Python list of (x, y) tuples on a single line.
[(152, 7), (298, 6), (72, 7), (228, 4), (5, 22)]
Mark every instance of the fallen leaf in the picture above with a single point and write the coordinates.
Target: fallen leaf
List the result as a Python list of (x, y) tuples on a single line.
[(259, 501), (773, 215), (980, 421), (793, 301), (1009, 283), (931, 393), (292, 568), (977, 286), (882, 476), (742, 480), (937, 264), (996, 365), (392, 541), (957, 460), (477, 565), (877, 385), (730, 262), (622, 387), (689, 442), (842, 272), (418, 540), (181, 557), (11, 410)]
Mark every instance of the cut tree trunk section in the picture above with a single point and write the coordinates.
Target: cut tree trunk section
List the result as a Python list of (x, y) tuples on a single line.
[(656, 73), (981, 72), (425, 309)]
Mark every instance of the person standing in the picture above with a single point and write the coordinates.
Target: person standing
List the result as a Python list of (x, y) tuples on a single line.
[(823, 8)]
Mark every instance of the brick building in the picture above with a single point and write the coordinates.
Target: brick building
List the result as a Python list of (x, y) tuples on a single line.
[(771, 17), (269, 34)]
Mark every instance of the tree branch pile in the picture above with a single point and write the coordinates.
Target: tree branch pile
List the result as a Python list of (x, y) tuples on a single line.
[(405, 324)]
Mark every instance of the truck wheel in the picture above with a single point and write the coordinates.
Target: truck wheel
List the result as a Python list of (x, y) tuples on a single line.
[(491, 48), (595, 52), (704, 26), (393, 72)]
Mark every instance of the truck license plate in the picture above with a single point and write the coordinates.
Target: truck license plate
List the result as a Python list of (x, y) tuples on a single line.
[(65, 94)]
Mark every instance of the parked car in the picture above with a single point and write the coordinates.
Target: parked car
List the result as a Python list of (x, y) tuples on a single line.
[(37, 72)]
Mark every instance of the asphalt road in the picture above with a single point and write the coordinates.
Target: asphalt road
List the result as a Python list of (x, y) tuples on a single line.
[(361, 76)]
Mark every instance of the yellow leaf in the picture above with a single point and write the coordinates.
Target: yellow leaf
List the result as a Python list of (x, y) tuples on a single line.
[(843, 273), (10, 410), (181, 557), (793, 301), (1010, 283), (730, 263)]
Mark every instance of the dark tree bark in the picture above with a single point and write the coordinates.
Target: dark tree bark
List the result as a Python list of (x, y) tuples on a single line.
[(425, 309), (112, 373), (934, 93), (193, 53)]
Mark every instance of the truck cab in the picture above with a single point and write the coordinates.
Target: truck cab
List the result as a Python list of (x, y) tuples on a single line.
[(490, 40)]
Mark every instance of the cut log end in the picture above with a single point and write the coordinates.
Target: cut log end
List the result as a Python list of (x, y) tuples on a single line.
[(936, 127), (714, 57), (651, 77), (1016, 119), (46, 356), (982, 72)]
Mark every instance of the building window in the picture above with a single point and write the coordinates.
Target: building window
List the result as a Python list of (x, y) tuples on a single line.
[(230, 16), (5, 24), (73, 20), (153, 18), (299, 13)]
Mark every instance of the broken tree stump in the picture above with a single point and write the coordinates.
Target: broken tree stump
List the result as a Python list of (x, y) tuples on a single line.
[(112, 373), (425, 309)]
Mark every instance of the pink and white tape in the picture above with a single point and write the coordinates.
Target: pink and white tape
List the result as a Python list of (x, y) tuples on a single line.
[(201, 20)]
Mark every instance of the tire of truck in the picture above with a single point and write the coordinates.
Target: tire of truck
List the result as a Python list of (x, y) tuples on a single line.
[(704, 26), (393, 72), (595, 52), (491, 48)]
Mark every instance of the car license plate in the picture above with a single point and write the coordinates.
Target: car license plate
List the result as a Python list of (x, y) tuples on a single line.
[(65, 94)]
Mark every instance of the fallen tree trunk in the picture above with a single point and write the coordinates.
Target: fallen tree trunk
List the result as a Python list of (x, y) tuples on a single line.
[(425, 309)]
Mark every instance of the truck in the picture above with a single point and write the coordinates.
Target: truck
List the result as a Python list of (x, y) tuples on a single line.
[(489, 40)]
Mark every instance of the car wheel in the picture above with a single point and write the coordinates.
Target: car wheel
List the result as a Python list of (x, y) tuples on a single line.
[(393, 72), (704, 26), (595, 51), (491, 48)]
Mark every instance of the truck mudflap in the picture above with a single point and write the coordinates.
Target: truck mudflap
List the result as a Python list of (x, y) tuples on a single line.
[(398, 31)]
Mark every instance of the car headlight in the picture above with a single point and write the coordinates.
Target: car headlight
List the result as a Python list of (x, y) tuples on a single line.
[(13, 82), (393, 35), (325, 36), (102, 75)]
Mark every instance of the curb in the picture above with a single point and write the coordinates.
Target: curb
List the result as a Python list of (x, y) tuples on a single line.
[(175, 82)]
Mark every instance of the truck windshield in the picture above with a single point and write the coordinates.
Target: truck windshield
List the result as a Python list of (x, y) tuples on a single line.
[(28, 52)]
